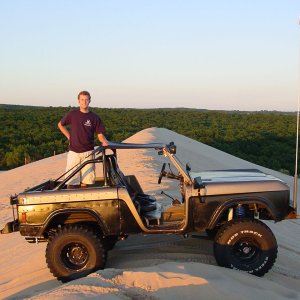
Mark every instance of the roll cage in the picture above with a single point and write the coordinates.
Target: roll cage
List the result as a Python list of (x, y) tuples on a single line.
[(101, 155)]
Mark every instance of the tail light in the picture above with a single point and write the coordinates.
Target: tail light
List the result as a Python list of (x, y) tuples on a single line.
[(24, 217)]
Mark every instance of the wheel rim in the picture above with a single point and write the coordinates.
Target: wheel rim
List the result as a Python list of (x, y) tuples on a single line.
[(246, 251), (75, 256)]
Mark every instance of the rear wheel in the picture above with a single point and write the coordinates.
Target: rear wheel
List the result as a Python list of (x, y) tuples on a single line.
[(73, 252), (247, 245)]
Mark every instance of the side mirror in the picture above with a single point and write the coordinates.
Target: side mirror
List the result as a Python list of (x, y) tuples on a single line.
[(188, 167), (198, 183), (172, 149)]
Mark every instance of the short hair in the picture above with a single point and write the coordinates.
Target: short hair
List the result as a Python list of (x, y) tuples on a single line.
[(84, 93)]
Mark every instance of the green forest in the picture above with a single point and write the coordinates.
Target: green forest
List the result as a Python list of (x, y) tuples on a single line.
[(30, 133)]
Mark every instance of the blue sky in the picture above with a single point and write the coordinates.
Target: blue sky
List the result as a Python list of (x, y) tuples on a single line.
[(213, 54)]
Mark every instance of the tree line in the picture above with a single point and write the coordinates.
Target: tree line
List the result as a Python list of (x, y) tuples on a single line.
[(30, 133)]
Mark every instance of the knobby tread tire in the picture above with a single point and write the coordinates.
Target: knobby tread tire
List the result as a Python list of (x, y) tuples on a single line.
[(59, 263), (247, 245)]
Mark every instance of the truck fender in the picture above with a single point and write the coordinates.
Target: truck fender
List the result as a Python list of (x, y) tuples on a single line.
[(61, 212), (221, 209)]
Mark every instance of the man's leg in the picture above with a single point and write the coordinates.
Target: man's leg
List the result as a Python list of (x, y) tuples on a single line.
[(73, 159), (88, 171)]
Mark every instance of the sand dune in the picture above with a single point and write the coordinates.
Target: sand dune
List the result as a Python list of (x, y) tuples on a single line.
[(146, 267)]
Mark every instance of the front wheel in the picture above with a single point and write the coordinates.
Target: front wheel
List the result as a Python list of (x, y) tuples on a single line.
[(246, 245), (73, 252)]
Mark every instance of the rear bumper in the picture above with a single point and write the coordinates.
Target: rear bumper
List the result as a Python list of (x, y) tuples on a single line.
[(10, 227)]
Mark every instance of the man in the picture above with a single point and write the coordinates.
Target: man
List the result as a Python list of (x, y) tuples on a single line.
[(84, 124)]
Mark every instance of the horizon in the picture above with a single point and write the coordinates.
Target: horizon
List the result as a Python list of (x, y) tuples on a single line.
[(139, 54), (153, 108), (156, 108)]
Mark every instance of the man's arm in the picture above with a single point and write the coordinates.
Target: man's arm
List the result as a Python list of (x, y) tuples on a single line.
[(102, 139), (64, 130)]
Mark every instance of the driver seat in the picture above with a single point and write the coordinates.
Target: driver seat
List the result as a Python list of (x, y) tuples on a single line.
[(143, 202)]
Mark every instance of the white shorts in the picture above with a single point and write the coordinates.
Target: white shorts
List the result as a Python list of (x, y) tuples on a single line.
[(86, 174)]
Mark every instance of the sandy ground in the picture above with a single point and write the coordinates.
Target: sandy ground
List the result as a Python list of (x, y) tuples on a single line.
[(146, 267)]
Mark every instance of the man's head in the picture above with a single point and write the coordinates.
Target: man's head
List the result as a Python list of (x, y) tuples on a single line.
[(84, 93), (84, 99)]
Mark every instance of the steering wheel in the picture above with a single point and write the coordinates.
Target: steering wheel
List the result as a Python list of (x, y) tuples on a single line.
[(162, 173)]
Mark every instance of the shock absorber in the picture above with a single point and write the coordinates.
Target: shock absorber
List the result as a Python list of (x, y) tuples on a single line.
[(240, 211)]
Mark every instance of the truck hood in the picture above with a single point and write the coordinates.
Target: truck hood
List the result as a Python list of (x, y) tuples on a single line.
[(237, 181)]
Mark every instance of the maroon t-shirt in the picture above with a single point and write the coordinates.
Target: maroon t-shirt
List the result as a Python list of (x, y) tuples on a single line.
[(83, 128)]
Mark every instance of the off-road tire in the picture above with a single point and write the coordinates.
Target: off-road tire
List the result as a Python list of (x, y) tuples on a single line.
[(75, 251), (247, 245)]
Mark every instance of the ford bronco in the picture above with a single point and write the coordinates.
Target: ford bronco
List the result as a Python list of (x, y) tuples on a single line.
[(81, 225)]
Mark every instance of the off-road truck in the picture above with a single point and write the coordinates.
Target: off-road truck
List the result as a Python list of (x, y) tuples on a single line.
[(81, 225)]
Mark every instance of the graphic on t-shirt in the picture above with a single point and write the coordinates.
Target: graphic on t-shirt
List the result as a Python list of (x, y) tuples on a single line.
[(88, 123)]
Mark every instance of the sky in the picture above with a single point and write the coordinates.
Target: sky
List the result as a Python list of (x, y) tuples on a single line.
[(205, 54)]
